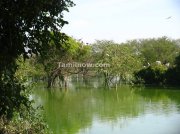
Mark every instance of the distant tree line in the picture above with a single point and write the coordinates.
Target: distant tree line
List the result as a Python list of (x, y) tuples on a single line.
[(145, 61)]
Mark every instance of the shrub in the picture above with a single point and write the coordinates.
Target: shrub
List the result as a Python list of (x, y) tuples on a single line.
[(26, 120), (153, 75), (173, 74)]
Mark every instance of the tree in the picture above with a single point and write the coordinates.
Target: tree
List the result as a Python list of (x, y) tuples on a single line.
[(160, 49), (26, 27), (122, 59), (152, 75), (29, 70), (72, 51), (173, 73)]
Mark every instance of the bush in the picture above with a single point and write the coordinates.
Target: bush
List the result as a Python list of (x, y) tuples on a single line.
[(170, 79), (153, 75), (28, 122), (17, 114), (173, 74), (159, 74), (25, 120)]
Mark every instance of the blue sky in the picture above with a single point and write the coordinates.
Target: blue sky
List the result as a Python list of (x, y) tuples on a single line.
[(122, 20)]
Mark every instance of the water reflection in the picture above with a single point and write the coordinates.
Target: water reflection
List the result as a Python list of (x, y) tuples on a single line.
[(125, 110)]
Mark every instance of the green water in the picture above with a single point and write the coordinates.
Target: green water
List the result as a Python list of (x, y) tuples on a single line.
[(127, 110)]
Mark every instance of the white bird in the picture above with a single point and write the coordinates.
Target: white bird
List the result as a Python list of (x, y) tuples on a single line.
[(158, 62)]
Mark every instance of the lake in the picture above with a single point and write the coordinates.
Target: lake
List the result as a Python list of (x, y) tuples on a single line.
[(97, 110)]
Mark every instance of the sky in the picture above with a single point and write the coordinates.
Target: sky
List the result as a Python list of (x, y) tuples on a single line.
[(122, 20)]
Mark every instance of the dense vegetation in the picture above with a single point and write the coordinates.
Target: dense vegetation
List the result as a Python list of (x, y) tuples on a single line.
[(160, 75), (26, 27), (146, 61), (165, 69)]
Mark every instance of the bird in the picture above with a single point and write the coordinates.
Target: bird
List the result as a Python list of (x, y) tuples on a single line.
[(169, 17)]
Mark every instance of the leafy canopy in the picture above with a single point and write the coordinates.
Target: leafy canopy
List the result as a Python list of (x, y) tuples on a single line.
[(26, 27)]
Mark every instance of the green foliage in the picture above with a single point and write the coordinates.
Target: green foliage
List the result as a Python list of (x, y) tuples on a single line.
[(153, 75), (25, 121), (173, 77), (26, 27), (161, 49), (159, 74), (177, 62), (122, 58), (30, 24), (17, 113), (173, 73), (72, 51), (29, 69), (11, 96)]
